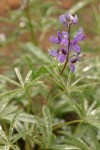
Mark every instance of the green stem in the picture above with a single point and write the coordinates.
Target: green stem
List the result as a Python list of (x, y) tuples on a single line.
[(29, 101), (67, 123), (27, 145)]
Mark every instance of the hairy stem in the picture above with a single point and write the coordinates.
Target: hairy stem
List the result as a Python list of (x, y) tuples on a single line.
[(67, 58)]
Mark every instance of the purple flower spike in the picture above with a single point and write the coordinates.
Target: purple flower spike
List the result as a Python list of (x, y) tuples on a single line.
[(56, 40), (69, 50)]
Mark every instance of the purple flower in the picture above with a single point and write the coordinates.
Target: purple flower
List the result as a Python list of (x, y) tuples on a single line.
[(59, 55), (56, 40), (72, 63), (77, 38), (64, 39), (80, 36), (68, 18), (76, 47), (54, 53), (72, 67)]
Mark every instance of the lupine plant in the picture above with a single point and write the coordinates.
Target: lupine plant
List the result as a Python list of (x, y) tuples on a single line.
[(54, 103), (69, 50)]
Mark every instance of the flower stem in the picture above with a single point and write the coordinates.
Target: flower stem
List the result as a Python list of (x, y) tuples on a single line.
[(67, 58), (67, 123)]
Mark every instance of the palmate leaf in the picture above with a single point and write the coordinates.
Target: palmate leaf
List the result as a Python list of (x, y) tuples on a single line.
[(27, 78), (12, 138), (12, 124), (4, 142), (41, 128), (15, 147), (19, 76), (6, 147), (10, 80), (88, 134), (93, 121), (75, 141), (35, 83), (24, 126), (94, 138), (45, 128), (93, 117), (78, 109), (47, 124), (6, 98), (24, 117), (17, 136), (63, 147), (89, 114), (56, 78), (7, 110), (3, 137)]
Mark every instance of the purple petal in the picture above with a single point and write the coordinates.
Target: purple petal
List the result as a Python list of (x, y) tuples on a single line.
[(65, 34), (62, 19), (72, 67), (76, 48), (68, 16), (62, 58), (59, 36), (54, 40), (73, 60), (64, 51), (64, 42), (80, 35), (75, 20), (71, 19), (65, 18), (71, 45), (54, 53), (65, 38)]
